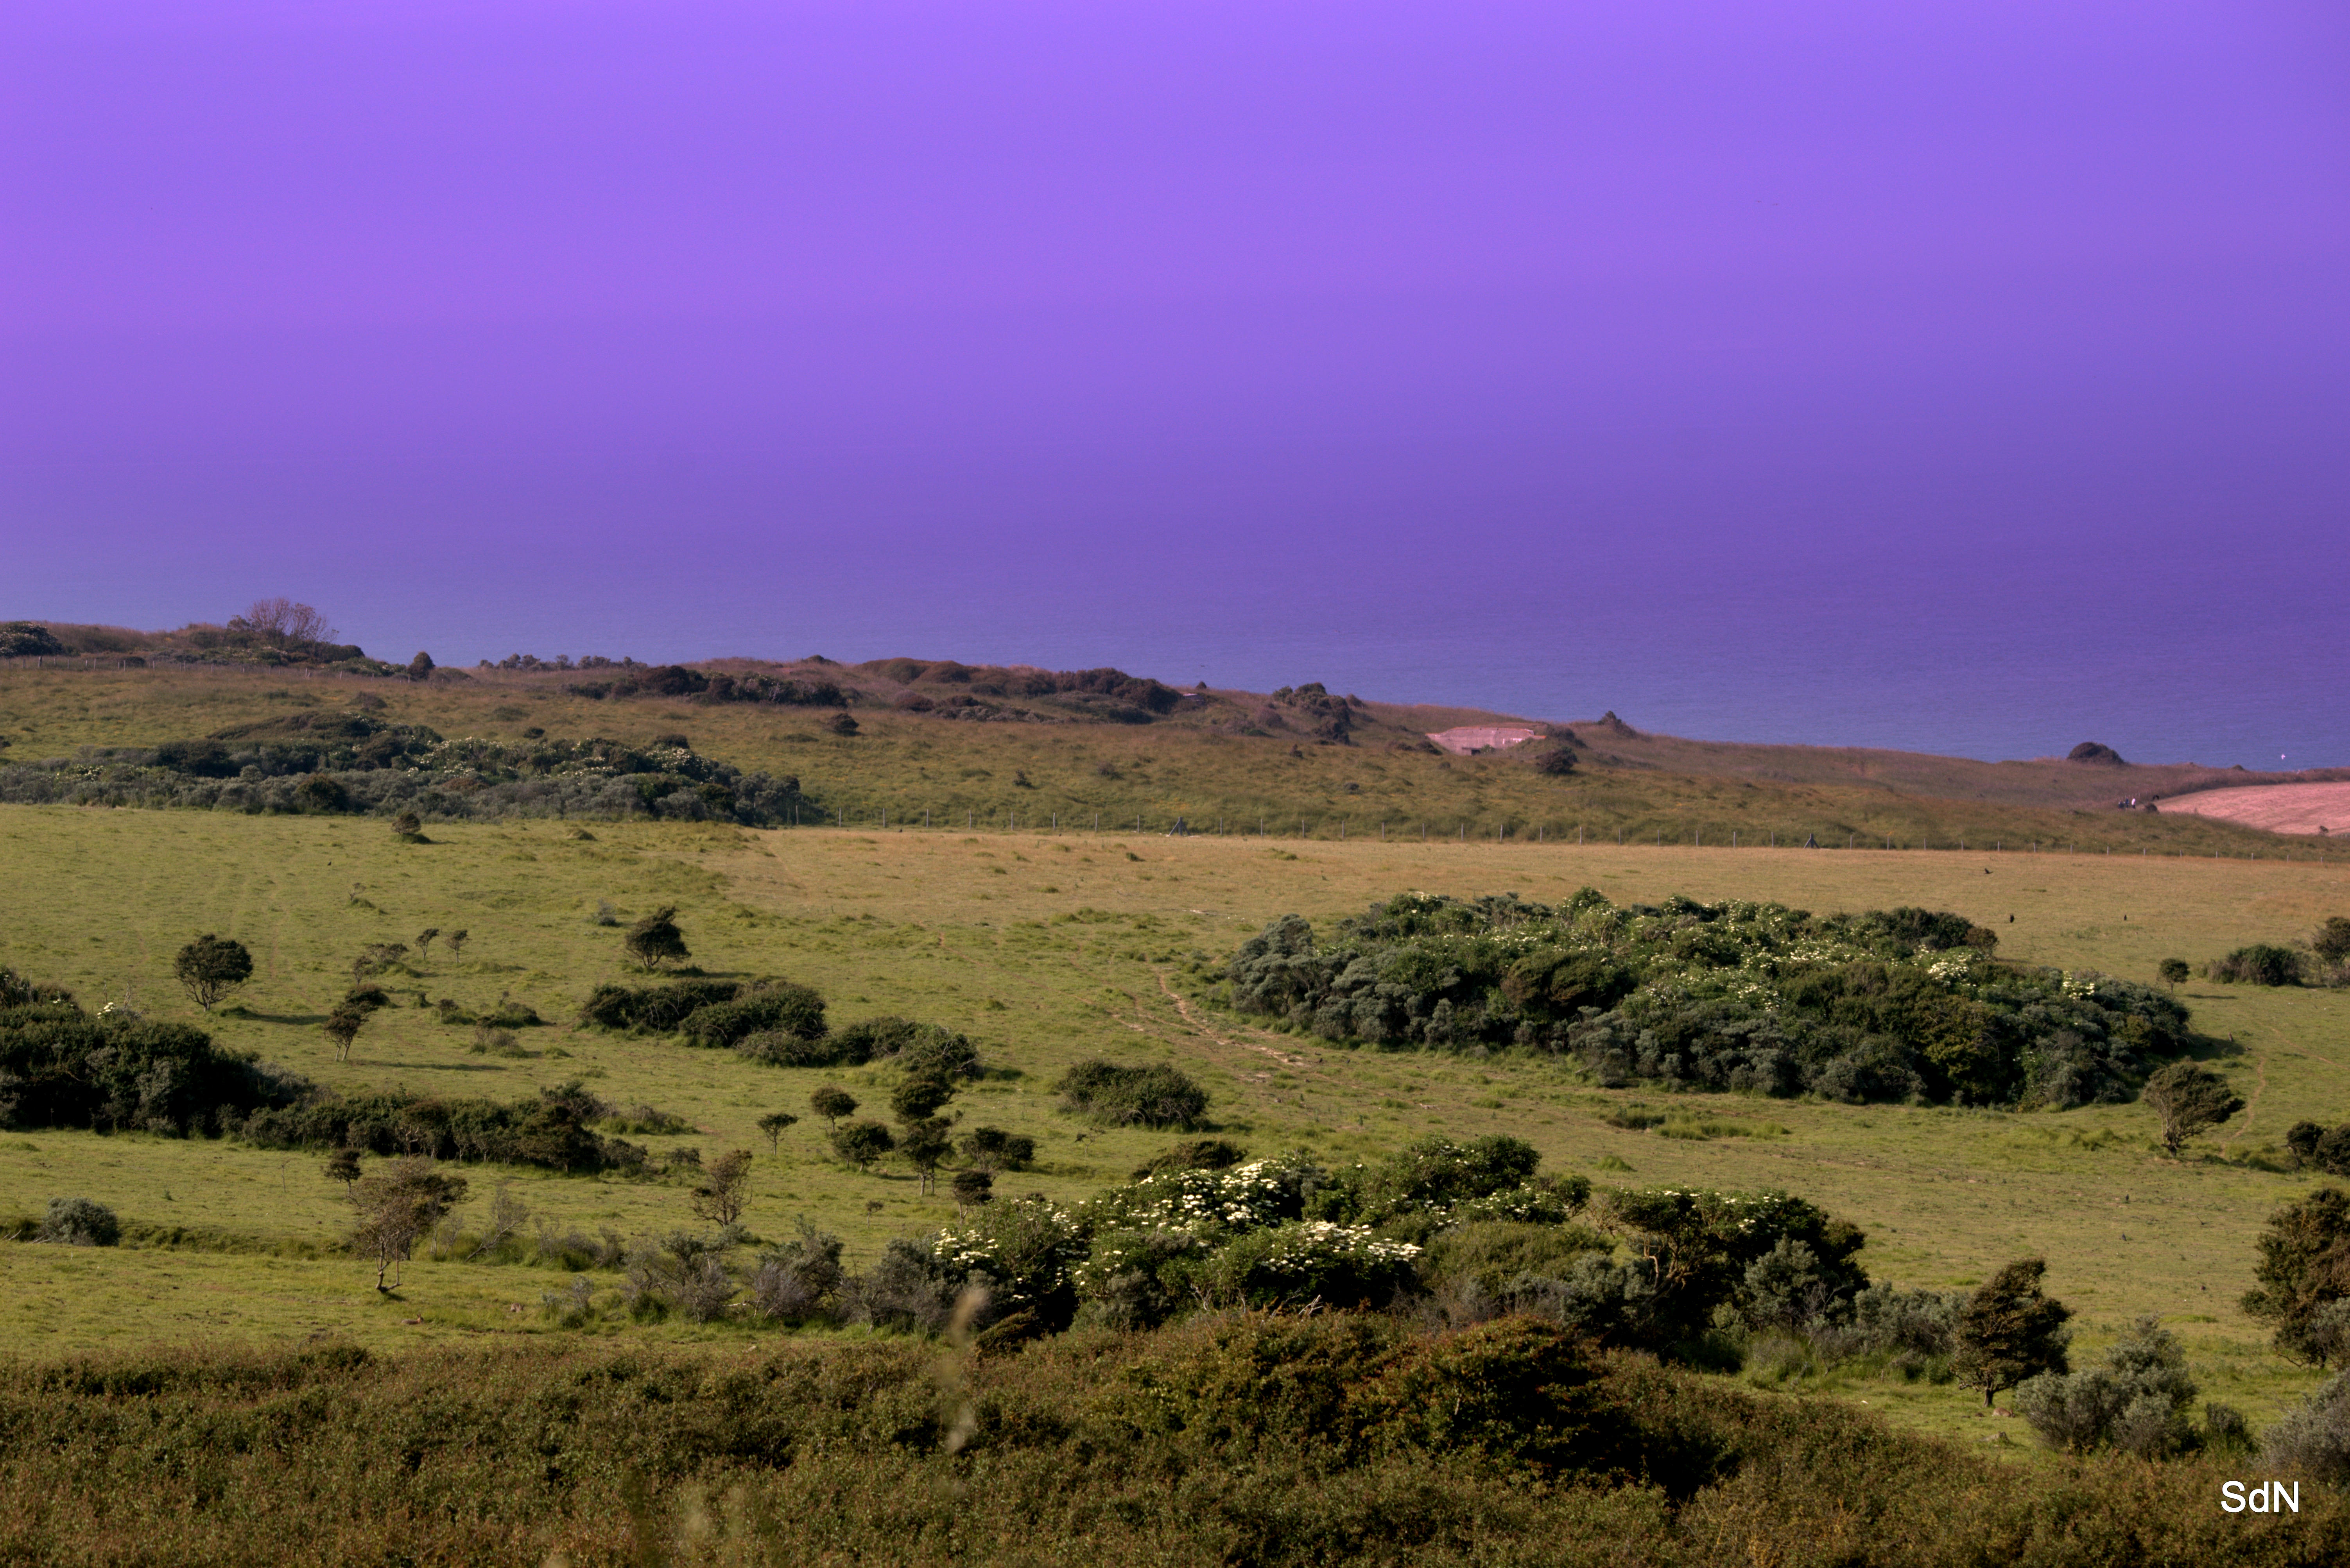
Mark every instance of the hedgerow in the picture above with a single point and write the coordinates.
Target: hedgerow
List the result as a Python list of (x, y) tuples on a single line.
[(1895, 1005)]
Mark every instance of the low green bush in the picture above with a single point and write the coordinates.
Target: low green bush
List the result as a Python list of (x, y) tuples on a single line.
[(79, 1222), (1154, 1097), (2259, 964)]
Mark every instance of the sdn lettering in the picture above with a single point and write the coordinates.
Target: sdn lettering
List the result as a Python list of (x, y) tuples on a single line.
[(2268, 1497)]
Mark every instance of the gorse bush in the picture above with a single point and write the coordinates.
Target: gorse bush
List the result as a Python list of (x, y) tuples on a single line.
[(1896, 1004)]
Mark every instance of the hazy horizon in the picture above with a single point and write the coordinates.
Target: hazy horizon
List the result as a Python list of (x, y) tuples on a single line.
[(1953, 378)]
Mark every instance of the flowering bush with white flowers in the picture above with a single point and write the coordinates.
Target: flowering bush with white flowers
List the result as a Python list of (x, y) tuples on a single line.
[(1904, 1003), (1309, 1260)]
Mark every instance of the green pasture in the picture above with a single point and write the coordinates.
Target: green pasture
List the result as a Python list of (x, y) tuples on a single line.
[(1048, 948)]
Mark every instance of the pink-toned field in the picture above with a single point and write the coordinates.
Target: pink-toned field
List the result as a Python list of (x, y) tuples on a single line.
[(1463, 738), (2277, 808)]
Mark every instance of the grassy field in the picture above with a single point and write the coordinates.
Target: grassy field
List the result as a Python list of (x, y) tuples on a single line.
[(916, 768), (1052, 948)]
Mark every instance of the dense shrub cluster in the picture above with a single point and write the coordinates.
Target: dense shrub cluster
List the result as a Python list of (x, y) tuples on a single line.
[(1893, 1004), (768, 1007), (63, 1067), (655, 1008), (554, 1129), (330, 763), (780, 1023)]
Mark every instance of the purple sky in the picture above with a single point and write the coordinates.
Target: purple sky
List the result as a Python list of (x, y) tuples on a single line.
[(1968, 377)]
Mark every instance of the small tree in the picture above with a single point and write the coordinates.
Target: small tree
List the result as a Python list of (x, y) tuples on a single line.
[(772, 1124), (925, 1144), (211, 966), (832, 1102), (2304, 1266), (407, 825), (456, 941), (862, 1143), (2172, 970), (343, 1165), (725, 1190), (655, 940), (973, 1187), (993, 1148), (425, 942), (2331, 941), (2010, 1330), (2189, 1099), (397, 1207), (342, 1026)]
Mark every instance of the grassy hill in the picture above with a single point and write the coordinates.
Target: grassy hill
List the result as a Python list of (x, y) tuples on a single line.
[(1304, 764)]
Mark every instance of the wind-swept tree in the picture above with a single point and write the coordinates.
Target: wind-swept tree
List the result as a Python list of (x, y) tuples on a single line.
[(398, 1205), (725, 1188), (2189, 1099), (772, 1124), (832, 1102), (2010, 1330), (211, 966), (655, 940), (343, 1026)]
